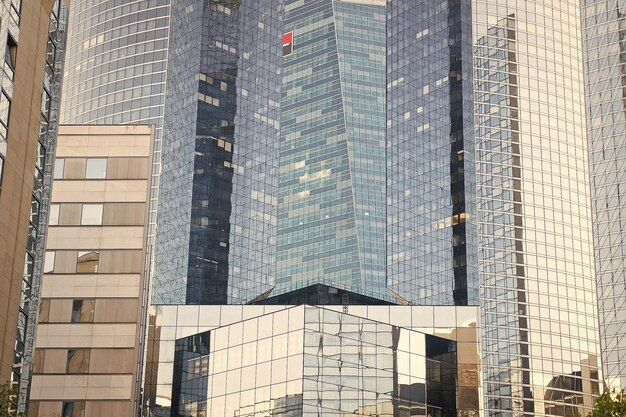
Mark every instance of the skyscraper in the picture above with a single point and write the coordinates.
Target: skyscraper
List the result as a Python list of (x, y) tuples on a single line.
[(401, 152), (605, 66), (115, 69), (32, 38)]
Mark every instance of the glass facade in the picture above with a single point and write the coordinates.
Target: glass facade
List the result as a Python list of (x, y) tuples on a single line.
[(217, 220), (310, 361), (412, 152), (431, 230), (535, 249), (604, 26), (331, 215), (115, 69)]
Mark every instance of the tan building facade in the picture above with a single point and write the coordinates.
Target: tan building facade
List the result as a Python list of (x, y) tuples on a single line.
[(32, 36), (88, 343)]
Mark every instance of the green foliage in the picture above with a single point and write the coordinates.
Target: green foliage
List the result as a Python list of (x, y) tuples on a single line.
[(6, 401), (610, 404)]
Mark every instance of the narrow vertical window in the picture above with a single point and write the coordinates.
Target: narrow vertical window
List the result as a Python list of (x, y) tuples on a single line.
[(287, 43), (5, 106), (59, 167)]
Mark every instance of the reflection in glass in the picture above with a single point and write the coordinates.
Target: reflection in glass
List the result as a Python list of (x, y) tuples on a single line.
[(87, 262)]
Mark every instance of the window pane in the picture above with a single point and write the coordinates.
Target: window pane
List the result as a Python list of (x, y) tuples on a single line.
[(5, 105), (88, 262), (49, 262), (92, 214), (53, 220), (41, 156), (77, 361), (96, 168), (82, 311), (59, 166), (1, 169), (68, 409)]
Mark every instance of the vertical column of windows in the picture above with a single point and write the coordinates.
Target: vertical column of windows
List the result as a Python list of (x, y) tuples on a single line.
[(40, 197)]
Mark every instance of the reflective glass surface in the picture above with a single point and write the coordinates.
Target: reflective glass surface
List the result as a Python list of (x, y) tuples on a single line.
[(115, 69), (331, 215), (604, 28), (535, 252), (431, 232), (310, 361), (217, 219)]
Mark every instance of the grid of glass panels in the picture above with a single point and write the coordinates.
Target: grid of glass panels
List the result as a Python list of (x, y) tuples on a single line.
[(338, 359), (217, 221), (115, 69), (431, 230), (540, 335), (307, 361), (604, 28), (331, 201)]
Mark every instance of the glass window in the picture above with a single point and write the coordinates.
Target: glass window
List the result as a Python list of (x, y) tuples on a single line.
[(51, 53), (88, 262), (82, 311), (10, 55), (73, 409), (92, 214), (53, 220), (96, 168), (34, 212), (48, 264), (44, 311), (1, 170), (5, 106), (46, 102), (59, 167), (41, 156), (77, 361)]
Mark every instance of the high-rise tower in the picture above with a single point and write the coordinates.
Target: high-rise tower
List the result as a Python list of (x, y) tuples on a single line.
[(115, 69), (605, 66), (350, 152)]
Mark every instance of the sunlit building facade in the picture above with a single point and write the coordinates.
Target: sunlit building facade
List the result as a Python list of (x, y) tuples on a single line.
[(285, 360), (88, 347), (605, 68), (32, 44), (115, 69), (393, 153)]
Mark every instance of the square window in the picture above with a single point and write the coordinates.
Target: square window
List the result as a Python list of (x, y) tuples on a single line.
[(92, 214), (96, 168), (88, 262), (82, 311), (73, 409), (77, 361)]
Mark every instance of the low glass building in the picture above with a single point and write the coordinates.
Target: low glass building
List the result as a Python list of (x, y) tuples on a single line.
[(308, 361)]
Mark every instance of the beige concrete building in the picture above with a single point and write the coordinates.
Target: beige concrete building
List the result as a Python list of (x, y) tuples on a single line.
[(88, 344), (32, 36)]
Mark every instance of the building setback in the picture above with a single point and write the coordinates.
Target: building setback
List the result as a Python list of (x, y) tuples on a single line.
[(89, 341)]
